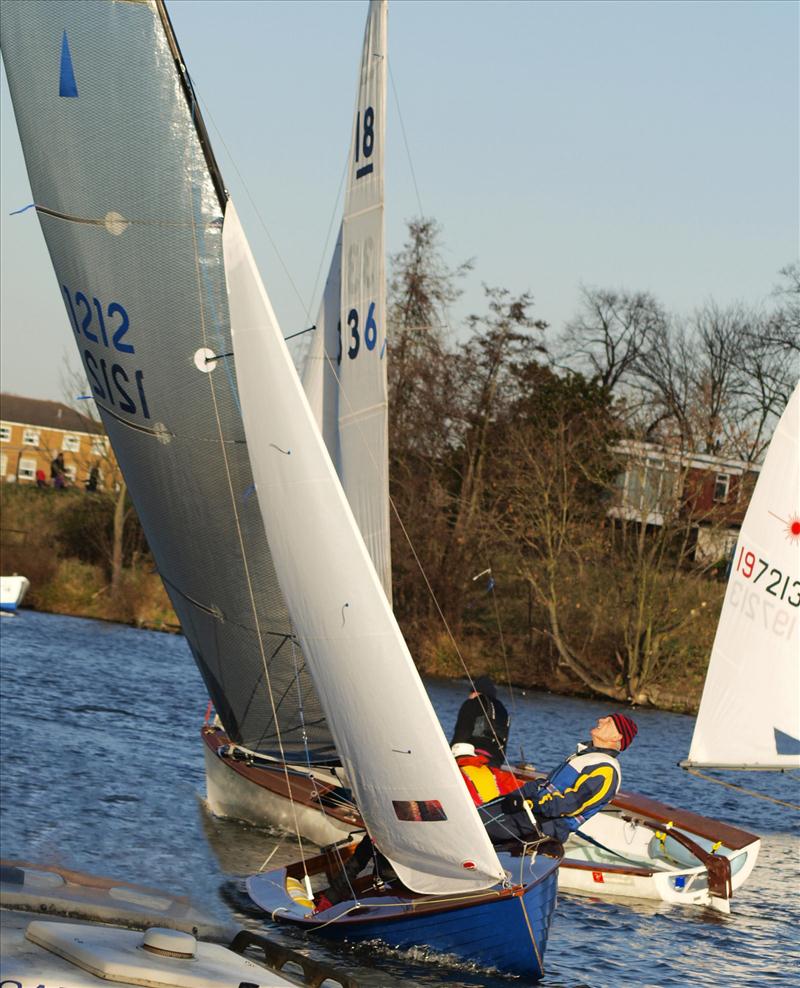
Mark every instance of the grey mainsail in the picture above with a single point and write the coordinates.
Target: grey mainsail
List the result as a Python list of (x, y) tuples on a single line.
[(131, 204)]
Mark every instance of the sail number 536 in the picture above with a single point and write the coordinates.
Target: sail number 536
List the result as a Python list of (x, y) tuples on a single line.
[(369, 333)]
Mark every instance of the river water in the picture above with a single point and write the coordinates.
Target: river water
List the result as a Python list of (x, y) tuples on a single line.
[(102, 771)]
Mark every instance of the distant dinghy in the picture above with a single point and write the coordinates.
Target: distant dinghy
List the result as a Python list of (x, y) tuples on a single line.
[(12, 592), (749, 715)]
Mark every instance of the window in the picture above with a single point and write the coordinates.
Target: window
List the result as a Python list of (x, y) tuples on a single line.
[(721, 485), (5, 433), (71, 444), (30, 437), (99, 447), (72, 472), (3, 465), (27, 469)]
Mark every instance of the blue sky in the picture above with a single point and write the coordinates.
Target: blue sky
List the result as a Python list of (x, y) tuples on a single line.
[(648, 146)]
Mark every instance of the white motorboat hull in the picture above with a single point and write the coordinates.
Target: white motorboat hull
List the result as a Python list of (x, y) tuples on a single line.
[(98, 931), (12, 592)]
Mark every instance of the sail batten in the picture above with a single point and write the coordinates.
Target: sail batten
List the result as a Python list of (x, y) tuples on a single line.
[(749, 714)]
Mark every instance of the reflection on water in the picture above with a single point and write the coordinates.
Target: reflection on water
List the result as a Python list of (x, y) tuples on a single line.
[(103, 771)]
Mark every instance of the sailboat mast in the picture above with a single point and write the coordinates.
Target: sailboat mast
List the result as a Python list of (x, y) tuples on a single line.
[(194, 106)]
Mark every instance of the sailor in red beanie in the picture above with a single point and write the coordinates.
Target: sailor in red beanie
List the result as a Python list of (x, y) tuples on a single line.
[(576, 790)]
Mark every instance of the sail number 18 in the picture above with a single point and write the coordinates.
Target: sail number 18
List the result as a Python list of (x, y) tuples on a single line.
[(365, 141)]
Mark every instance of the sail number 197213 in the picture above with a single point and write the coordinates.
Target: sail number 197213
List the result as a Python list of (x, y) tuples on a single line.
[(779, 585)]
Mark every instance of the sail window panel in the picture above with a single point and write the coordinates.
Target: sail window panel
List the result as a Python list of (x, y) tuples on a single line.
[(419, 810)]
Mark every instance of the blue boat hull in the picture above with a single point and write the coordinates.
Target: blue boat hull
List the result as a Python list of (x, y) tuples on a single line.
[(502, 929), (510, 934)]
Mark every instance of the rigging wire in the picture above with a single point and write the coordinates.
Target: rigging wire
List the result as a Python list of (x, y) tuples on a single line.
[(405, 140), (744, 789)]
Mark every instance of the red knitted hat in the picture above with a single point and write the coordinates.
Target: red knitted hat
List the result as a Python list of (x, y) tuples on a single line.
[(626, 728)]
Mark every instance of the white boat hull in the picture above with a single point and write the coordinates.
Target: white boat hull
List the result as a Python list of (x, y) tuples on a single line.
[(12, 592), (634, 862), (232, 796), (126, 934)]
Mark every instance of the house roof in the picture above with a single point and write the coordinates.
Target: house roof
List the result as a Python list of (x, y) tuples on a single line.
[(45, 414)]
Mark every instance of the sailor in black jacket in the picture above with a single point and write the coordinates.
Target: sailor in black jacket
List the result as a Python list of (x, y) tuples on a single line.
[(483, 722)]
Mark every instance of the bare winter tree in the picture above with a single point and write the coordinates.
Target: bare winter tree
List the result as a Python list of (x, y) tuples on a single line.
[(611, 333), (782, 329), (75, 383)]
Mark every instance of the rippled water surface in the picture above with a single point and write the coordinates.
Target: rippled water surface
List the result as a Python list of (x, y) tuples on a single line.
[(102, 770)]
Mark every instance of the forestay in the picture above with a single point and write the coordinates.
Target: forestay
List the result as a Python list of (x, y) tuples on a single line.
[(404, 778), (750, 710), (345, 375), (130, 202)]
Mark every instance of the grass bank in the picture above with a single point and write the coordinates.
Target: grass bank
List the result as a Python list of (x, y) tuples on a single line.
[(60, 540)]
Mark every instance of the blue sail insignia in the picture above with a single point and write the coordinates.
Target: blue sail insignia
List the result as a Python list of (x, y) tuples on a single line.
[(66, 81), (785, 744)]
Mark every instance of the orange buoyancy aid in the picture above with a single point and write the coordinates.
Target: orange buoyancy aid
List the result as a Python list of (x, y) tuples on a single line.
[(484, 782)]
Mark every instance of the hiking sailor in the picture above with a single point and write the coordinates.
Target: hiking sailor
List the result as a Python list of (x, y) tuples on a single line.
[(573, 792)]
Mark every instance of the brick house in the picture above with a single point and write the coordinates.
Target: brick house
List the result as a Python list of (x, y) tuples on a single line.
[(713, 491), (33, 432)]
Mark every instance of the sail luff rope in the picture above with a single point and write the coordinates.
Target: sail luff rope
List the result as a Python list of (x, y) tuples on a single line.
[(235, 510), (746, 791)]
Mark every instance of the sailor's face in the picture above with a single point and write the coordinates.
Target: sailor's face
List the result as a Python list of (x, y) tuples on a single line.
[(605, 733)]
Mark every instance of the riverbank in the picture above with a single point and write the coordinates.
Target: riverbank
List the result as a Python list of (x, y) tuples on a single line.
[(78, 590), (63, 543), (78, 562)]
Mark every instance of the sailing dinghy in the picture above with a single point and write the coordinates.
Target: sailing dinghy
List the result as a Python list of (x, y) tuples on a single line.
[(625, 851), (250, 528), (749, 715)]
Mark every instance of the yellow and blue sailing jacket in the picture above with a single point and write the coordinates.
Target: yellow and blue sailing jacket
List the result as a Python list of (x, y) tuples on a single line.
[(575, 791), (570, 794)]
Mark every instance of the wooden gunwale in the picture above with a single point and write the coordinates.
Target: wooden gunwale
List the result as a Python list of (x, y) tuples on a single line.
[(300, 787), (393, 907)]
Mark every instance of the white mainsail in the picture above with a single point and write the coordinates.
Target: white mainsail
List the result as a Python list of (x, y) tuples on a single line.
[(404, 778), (345, 372), (749, 714)]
